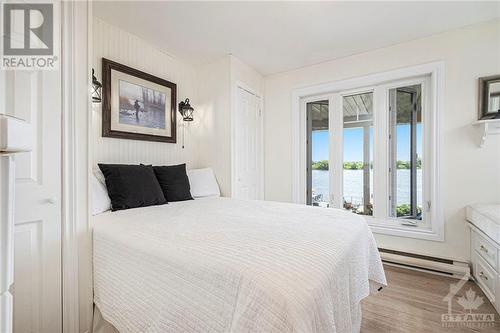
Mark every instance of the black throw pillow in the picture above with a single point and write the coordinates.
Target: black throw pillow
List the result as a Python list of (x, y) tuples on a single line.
[(174, 182), (131, 186)]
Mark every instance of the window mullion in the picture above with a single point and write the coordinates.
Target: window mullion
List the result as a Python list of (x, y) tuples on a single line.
[(391, 155), (380, 153), (429, 167), (413, 156), (336, 151), (366, 167)]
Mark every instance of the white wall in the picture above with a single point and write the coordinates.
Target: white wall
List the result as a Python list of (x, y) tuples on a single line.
[(242, 73), (209, 88), (118, 45), (470, 174), (213, 108), (216, 104)]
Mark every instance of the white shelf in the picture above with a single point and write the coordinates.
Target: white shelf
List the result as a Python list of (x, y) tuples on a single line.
[(16, 135), (488, 128)]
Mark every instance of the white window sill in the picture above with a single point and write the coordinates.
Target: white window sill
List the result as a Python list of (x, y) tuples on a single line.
[(393, 227)]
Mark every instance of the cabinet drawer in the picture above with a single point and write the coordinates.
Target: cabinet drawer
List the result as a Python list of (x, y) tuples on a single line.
[(496, 304), (485, 277), (485, 249)]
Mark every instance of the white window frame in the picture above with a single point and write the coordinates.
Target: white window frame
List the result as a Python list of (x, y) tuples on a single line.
[(431, 76)]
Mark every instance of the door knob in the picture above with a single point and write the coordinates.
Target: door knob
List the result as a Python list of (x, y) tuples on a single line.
[(52, 200)]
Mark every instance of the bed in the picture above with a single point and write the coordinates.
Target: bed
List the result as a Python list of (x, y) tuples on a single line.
[(226, 265)]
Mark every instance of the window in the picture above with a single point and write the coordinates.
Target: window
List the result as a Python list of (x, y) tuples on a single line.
[(405, 152), (374, 150), (318, 182), (358, 153)]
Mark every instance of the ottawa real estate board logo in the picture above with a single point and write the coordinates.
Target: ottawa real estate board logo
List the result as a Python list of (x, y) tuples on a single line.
[(28, 36), (469, 317)]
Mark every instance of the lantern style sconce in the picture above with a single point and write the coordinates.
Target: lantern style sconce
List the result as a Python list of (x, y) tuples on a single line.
[(96, 89), (186, 110)]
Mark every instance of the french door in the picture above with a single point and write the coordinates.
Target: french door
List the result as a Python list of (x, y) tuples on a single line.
[(318, 142), (365, 150), (340, 151)]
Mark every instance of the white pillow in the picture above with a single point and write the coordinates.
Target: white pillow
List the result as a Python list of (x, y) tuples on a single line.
[(98, 174), (203, 183), (100, 199)]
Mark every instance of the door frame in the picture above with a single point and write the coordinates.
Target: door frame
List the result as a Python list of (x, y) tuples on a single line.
[(77, 299), (236, 86)]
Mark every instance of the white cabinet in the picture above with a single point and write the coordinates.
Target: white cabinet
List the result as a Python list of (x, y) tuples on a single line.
[(484, 222)]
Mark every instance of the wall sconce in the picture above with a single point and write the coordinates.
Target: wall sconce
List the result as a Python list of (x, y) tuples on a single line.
[(186, 110), (96, 89)]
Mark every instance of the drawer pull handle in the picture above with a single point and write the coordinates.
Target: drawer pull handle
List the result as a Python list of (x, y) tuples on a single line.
[(481, 274), (482, 248)]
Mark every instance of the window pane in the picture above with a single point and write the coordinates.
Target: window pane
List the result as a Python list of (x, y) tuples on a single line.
[(406, 152), (358, 153), (318, 184)]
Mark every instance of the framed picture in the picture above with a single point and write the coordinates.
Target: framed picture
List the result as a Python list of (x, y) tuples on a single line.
[(489, 97), (137, 105)]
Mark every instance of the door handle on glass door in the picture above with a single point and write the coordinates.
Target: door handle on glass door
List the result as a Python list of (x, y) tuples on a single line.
[(51, 200)]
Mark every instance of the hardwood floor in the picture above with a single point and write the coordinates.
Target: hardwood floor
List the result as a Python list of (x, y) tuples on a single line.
[(413, 303)]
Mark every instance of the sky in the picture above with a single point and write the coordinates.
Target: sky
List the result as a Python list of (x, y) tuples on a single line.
[(353, 147), (134, 92)]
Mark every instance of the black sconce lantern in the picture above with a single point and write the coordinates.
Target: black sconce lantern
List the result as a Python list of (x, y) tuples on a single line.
[(186, 110), (96, 89)]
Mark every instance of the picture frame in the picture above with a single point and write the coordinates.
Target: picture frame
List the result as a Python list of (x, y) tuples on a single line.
[(137, 105), (489, 97)]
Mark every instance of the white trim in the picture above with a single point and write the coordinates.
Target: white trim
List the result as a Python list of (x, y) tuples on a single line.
[(234, 104), (76, 250), (370, 82), (70, 304)]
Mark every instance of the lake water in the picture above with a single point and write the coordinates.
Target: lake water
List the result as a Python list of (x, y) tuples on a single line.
[(151, 118), (353, 185)]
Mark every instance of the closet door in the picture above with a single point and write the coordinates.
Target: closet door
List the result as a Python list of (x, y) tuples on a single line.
[(247, 146), (35, 96)]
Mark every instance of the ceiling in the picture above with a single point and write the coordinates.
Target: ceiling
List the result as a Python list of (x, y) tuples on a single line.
[(274, 37)]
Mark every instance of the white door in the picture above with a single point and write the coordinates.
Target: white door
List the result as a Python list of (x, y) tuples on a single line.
[(247, 152), (35, 96)]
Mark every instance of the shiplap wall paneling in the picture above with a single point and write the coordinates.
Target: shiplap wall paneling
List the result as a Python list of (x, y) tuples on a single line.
[(115, 44)]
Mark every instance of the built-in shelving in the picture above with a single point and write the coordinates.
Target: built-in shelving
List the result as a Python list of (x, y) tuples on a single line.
[(488, 128)]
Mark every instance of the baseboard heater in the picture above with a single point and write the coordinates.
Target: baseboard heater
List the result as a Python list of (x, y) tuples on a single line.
[(429, 264)]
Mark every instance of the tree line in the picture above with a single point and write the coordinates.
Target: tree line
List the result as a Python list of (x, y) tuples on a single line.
[(400, 165)]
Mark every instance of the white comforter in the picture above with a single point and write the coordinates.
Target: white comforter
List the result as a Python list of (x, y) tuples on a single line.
[(224, 265)]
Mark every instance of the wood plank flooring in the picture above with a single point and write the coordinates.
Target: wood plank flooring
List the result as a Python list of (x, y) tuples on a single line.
[(413, 303)]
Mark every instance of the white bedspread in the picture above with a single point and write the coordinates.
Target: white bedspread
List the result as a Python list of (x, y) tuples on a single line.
[(224, 265)]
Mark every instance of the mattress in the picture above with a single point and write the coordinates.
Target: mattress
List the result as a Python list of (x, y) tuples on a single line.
[(226, 265)]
